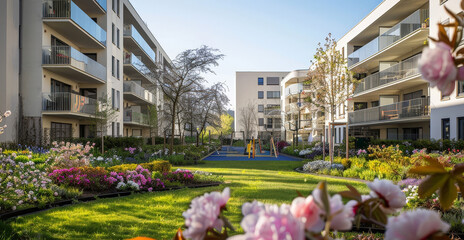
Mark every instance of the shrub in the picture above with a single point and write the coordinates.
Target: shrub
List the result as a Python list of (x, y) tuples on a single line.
[(70, 155), (351, 172), (316, 166), (85, 178), (175, 159), (181, 176), (22, 158), (153, 166), (368, 175), (358, 162), (281, 144), (39, 160), (346, 162), (336, 172)]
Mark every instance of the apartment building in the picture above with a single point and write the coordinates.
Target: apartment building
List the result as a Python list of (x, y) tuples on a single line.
[(259, 94), (300, 119), (391, 101), (447, 112), (59, 57)]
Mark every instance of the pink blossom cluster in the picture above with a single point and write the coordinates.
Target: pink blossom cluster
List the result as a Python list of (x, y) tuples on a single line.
[(203, 214), (86, 178), (182, 176), (140, 176), (68, 155), (437, 66), (131, 149), (361, 152)]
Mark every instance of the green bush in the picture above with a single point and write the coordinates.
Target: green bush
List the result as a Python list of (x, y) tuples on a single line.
[(153, 166), (358, 162), (368, 175), (351, 172), (336, 172), (22, 158), (175, 159), (39, 160)]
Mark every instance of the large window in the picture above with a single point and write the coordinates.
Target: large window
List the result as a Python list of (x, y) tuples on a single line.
[(117, 69), (113, 37), (269, 123), (392, 133), (261, 121), (60, 131), (461, 88), (412, 133), (272, 80), (445, 128), (273, 94), (260, 94), (260, 108), (413, 95), (461, 128), (113, 70), (260, 81)]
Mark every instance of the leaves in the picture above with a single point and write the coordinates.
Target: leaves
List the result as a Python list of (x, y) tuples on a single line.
[(431, 184), (324, 197), (448, 193), (351, 194)]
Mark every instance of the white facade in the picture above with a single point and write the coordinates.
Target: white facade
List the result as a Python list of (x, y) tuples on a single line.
[(249, 86), (58, 57)]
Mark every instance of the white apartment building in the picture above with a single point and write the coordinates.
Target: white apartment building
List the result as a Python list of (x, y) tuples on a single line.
[(59, 56), (392, 101), (261, 91), (299, 117)]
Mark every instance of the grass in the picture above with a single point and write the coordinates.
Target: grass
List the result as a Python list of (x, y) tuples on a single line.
[(159, 214)]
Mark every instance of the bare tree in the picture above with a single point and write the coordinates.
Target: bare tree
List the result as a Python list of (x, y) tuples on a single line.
[(185, 74), (248, 119), (330, 81), (104, 115)]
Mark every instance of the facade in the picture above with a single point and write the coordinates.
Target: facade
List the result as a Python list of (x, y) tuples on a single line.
[(300, 119), (391, 101), (59, 57), (259, 92)]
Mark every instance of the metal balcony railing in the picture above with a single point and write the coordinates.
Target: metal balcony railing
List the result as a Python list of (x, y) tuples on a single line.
[(131, 31), (394, 73), (402, 29), (401, 110), (67, 9), (68, 102), (141, 92), (67, 55), (134, 116)]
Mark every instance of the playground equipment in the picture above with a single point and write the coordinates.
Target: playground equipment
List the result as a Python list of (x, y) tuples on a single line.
[(251, 148)]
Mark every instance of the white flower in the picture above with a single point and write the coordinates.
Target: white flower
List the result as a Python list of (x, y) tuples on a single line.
[(121, 185), (342, 215), (394, 199), (415, 225), (252, 208)]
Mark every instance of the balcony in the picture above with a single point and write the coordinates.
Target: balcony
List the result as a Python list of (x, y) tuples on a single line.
[(69, 20), (66, 104), (392, 77), (295, 88), (272, 111), (134, 117), (134, 42), (407, 111), (69, 62), (93, 7), (407, 34), (136, 69), (135, 93)]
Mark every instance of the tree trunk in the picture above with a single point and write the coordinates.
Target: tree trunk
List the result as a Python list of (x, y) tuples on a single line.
[(324, 137), (173, 128), (103, 143)]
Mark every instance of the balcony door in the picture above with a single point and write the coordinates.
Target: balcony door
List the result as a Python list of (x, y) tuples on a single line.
[(60, 94), (60, 52)]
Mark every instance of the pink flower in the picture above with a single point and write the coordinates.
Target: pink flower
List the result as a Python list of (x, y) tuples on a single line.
[(307, 210), (394, 199), (437, 66), (273, 222), (415, 225), (342, 215), (252, 208), (203, 214)]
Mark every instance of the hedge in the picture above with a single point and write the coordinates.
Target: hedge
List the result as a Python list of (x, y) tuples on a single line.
[(153, 166)]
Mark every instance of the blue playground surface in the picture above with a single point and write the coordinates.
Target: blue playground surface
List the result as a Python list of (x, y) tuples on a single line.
[(228, 153)]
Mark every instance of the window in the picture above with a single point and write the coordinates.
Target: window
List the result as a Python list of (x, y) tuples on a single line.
[(261, 121), (112, 66), (278, 123), (461, 128), (360, 105), (117, 7), (260, 81), (117, 37), (375, 103), (413, 95), (269, 123), (118, 97), (113, 126), (392, 133), (260, 94), (412, 133), (445, 128), (113, 98), (112, 33), (117, 69), (60, 131), (113, 5), (272, 80), (118, 128), (260, 108), (461, 88), (273, 94)]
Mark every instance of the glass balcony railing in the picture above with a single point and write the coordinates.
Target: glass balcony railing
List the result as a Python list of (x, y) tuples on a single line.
[(68, 102), (397, 32), (55, 9), (274, 110), (67, 55), (130, 58), (401, 110), (402, 70), (136, 89), (294, 89), (134, 116), (102, 4), (129, 30)]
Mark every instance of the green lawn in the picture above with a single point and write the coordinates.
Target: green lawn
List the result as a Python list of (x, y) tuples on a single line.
[(159, 214)]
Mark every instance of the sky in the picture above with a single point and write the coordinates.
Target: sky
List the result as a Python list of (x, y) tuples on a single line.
[(254, 35)]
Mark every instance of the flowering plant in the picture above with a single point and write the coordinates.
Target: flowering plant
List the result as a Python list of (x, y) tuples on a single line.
[(4, 115), (68, 155), (443, 64), (85, 178)]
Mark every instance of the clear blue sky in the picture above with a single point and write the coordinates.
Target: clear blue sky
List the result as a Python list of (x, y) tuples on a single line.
[(255, 35)]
